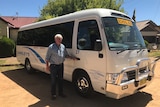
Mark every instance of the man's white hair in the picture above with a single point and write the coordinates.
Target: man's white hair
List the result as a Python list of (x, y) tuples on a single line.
[(58, 36)]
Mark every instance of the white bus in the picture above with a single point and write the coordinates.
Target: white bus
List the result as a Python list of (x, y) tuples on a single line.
[(112, 57)]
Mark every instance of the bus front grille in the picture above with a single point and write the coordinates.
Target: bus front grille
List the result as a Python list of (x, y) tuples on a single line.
[(132, 74)]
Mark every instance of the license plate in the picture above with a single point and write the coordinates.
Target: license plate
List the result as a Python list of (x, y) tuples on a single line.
[(143, 81)]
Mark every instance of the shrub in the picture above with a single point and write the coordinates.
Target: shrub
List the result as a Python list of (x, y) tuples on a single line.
[(6, 47), (146, 43)]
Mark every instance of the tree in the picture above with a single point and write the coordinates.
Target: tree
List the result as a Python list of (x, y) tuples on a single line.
[(56, 8)]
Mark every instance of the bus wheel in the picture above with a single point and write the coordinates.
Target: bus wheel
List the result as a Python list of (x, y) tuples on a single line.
[(83, 85), (28, 66)]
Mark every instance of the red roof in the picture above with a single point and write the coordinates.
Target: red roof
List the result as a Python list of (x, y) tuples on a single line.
[(17, 22)]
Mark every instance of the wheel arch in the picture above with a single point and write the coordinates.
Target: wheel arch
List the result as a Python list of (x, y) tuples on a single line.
[(80, 71), (26, 59), (28, 62)]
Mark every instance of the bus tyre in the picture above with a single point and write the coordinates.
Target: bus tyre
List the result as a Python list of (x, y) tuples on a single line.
[(83, 85), (28, 66)]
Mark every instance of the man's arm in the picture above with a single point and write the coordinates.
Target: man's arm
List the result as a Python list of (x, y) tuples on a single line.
[(48, 55), (69, 56)]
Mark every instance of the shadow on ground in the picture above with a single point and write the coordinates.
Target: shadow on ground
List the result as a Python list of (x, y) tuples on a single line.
[(38, 84)]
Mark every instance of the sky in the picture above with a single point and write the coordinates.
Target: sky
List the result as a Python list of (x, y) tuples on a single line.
[(145, 9)]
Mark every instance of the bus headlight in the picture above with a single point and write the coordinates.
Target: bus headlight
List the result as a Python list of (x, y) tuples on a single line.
[(111, 78), (125, 77)]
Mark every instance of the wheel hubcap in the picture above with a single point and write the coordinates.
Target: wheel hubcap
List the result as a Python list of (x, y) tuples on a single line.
[(83, 84), (28, 66)]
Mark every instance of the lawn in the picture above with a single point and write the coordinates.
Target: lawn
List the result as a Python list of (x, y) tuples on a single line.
[(8, 68), (155, 53), (2, 62)]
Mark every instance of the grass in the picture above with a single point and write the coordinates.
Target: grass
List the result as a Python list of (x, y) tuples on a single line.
[(2, 62), (4, 67), (155, 53), (8, 68)]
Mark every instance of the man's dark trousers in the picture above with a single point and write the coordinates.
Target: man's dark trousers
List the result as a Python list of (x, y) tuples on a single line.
[(56, 75)]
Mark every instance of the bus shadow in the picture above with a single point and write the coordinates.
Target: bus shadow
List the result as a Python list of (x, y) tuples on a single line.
[(38, 84)]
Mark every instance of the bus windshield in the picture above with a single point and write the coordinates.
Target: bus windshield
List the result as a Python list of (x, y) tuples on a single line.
[(122, 34)]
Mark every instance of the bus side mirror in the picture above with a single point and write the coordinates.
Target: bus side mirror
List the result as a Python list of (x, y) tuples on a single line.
[(98, 45)]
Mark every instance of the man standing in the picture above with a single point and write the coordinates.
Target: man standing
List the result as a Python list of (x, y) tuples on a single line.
[(55, 56)]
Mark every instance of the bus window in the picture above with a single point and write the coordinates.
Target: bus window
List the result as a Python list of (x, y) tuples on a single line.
[(43, 36), (122, 34), (88, 33)]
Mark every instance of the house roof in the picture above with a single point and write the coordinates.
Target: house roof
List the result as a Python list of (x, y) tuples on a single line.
[(143, 24), (17, 22)]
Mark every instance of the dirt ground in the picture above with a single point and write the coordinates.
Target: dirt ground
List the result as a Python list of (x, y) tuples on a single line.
[(19, 89)]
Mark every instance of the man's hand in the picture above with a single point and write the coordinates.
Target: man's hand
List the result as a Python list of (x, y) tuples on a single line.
[(72, 57), (47, 66)]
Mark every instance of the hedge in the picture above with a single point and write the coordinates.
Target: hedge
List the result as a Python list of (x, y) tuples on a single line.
[(7, 47)]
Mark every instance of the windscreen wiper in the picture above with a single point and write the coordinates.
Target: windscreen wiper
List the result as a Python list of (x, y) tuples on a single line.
[(121, 51), (140, 50)]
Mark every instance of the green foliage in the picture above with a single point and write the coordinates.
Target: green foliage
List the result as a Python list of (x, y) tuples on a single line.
[(7, 47), (146, 43), (56, 8)]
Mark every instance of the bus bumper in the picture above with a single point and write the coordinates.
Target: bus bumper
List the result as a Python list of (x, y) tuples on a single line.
[(125, 89), (119, 90)]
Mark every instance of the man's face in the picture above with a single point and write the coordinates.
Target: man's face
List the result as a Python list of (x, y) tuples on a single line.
[(58, 40)]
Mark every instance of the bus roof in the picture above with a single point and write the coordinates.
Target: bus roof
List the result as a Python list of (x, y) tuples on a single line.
[(99, 12)]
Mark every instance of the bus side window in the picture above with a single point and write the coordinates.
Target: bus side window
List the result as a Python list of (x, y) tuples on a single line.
[(88, 33)]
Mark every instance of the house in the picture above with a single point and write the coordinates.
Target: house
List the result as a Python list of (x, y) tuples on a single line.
[(9, 25), (150, 31)]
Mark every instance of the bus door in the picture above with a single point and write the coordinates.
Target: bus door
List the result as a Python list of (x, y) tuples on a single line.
[(92, 60)]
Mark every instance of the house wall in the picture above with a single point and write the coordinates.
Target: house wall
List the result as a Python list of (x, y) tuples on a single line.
[(149, 33), (13, 34), (3, 28), (149, 36)]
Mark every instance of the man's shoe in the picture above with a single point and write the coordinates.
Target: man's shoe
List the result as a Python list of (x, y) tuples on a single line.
[(53, 97), (62, 95)]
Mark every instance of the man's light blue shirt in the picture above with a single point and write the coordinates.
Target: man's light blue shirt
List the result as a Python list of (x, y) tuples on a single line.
[(56, 54)]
